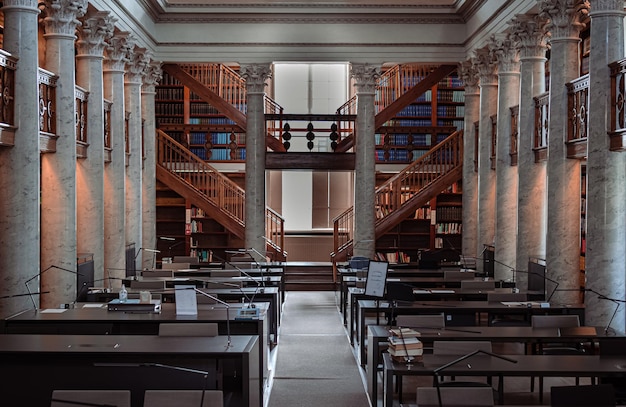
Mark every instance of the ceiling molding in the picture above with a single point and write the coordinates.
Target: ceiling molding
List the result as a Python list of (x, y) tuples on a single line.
[(311, 19)]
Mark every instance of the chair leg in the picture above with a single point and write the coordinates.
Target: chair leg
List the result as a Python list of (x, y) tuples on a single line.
[(540, 390)]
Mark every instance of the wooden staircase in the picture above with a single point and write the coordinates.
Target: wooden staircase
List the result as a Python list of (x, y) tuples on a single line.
[(402, 194)]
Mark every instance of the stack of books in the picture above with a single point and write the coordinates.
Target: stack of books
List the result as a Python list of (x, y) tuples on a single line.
[(404, 344)]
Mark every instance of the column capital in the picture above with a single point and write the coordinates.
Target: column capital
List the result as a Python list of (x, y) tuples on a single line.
[(613, 7), (255, 76), (117, 51), (504, 49), (61, 16), (486, 67), (25, 5), (566, 17), (152, 76), (97, 28), (469, 74), (365, 77), (531, 34), (137, 60)]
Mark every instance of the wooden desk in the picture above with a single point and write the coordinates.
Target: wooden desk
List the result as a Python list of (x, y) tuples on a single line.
[(34, 365), (99, 321), (484, 365), (457, 313), (378, 334)]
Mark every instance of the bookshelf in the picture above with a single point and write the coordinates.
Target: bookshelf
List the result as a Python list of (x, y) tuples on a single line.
[(207, 238), (170, 223), (426, 122), (437, 225)]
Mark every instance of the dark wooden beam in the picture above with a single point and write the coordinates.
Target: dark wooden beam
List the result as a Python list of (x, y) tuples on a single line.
[(309, 161)]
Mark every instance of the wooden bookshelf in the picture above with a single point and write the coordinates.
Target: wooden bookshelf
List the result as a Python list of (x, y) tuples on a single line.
[(170, 223), (207, 239)]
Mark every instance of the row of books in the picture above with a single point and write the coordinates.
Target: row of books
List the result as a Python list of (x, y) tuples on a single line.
[(219, 154), (168, 109), (448, 228), (419, 139), (393, 257), (169, 93), (451, 111), (210, 120), (450, 82), (422, 213), (216, 138), (196, 213), (449, 95), (416, 110), (204, 255), (459, 124), (449, 213), (202, 108), (412, 122)]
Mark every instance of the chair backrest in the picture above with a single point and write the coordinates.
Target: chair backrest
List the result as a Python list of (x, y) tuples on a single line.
[(598, 395), (455, 397), (188, 329), (497, 297), (459, 347), (554, 321), (186, 259), (457, 275), (421, 321), (147, 284), (73, 398), (157, 273), (182, 398), (225, 273), (178, 266), (478, 285)]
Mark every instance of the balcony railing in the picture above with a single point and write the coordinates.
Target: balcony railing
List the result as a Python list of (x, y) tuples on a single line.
[(617, 130), (82, 143), (494, 140), (47, 111), (107, 131), (578, 108), (7, 98), (540, 144)]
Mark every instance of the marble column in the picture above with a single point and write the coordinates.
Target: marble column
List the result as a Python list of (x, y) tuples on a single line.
[(563, 235), (256, 76), (58, 169), (138, 58), (364, 241), (504, 48), (467, 71), (531, 34), (96, 29), (115, 170), (152, 76), (488, 78), (20, 183), (606, 171)]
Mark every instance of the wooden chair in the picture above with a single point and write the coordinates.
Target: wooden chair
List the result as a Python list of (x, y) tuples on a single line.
[(147, 284), (421, 321), (478, 285), (457, 275), (73, 398), (455, 397), (182, 398), (508, 320), (188, 329), (157, 273)]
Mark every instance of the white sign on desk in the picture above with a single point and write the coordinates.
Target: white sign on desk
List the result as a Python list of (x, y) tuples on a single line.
[(186, 301), (376, 278)]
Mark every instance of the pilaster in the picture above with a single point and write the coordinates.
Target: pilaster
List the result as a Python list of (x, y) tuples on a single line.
[(256, 76), (364, 241), (566, 19), (58, 169)]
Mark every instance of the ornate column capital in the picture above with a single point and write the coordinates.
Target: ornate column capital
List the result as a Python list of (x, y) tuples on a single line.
[(531, 34), (117, 51), (611, 7), (486, 67), (152, 76), (137, 60), (469, 74), (365, 77), (93, 34), (23, 5), (61, 16), (504, 49), (255, 76), (566, 17)]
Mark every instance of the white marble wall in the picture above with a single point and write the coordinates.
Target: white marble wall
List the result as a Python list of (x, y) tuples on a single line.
[(504, 47), (365, 77), (58, 169), (96, 29), (115, 171), (20, 183), (487, 72), (606, 172), (467, 72), (563, 235), (256, 76), (531, 212)]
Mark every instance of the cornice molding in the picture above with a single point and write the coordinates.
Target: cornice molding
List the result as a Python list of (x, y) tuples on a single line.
[(296, 18), (307, 44)]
